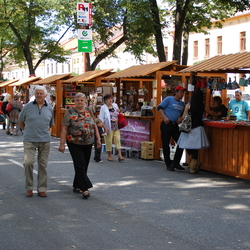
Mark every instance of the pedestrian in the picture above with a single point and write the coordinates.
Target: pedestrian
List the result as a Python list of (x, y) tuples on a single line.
[(171, 110), (239, 107), (14, 114), (6, 113), (101, 132), (2, 117), (109, 115), (53, 101), (196, 138), (79, 131), (35, 120)]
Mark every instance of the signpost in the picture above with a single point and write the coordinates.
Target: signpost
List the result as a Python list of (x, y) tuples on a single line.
[(84, 18)]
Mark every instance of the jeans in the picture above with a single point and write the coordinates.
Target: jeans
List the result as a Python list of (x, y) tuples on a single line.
[(167, 131)]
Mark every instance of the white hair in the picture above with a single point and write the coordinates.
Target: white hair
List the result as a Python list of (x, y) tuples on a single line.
[(41, 88), (6, 98), (80, 95)]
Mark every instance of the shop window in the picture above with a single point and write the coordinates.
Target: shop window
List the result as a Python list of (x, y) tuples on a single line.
[(242, 41), (219, 45), (207, 47), (195, 49)]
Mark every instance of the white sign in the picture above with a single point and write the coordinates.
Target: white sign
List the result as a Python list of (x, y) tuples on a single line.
[(84, 14), (84, 34)]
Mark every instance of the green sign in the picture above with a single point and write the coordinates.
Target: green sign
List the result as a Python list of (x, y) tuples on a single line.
[(85, 46)]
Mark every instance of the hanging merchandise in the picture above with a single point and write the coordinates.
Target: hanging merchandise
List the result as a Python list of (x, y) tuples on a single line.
[(229, 84), (242, 82), (209, 83), (235, 85)]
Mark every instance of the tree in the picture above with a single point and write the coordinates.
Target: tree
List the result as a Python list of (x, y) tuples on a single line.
[(191, 15), (33, 24)]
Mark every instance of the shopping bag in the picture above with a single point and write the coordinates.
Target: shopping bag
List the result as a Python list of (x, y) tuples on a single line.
[(122, 122)]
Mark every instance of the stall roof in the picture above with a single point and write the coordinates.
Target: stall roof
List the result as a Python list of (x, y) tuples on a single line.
[(25, 81), (87, 76), (142, 70), (222, 63), (52, 79), (8, 82)]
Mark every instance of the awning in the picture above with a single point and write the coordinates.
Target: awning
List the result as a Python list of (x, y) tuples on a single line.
[(88, 76), (143, 70), (26, 81), (231, 63), (8, 82), (52, 79)]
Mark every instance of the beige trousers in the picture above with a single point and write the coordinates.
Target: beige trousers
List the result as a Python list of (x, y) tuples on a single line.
[(30, 149), (113, 135)]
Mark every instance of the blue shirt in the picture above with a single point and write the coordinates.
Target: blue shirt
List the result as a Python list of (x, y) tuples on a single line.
[(37, 122), (172, 108), (239, 109)]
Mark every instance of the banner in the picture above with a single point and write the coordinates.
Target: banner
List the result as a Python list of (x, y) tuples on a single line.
[(136, 132)]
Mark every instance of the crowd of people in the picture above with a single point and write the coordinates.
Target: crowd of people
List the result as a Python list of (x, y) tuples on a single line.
[(81, 130)]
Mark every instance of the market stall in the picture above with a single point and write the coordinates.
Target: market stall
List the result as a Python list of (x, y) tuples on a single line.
[(143, 83), (4, 86), (229, 140), (21, 87)]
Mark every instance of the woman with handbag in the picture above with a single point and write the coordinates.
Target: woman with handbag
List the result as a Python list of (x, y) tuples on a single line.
[(195, 139), (109, 115)]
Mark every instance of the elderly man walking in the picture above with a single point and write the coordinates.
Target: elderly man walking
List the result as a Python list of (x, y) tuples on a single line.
[(35, 120)]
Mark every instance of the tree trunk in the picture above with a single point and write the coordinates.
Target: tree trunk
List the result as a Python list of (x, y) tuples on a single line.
[(29, 60), (88, 67), (185, 44), (158, 33), (181, 11)]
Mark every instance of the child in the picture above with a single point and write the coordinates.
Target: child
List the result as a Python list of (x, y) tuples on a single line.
[(98, 151)]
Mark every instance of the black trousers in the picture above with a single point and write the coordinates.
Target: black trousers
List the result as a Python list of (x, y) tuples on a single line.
[(167, 131), (80, 155), (98, 152)]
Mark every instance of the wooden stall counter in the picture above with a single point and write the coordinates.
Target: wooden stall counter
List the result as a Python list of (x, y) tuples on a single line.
[(229, 151)]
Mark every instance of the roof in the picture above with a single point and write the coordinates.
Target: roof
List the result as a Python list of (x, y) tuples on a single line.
[(87, 76), (222, 63), (141, 70), (52, 79), (25, 81), (8, 82)]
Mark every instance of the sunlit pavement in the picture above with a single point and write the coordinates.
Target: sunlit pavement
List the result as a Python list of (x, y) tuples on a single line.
[(136, 204)]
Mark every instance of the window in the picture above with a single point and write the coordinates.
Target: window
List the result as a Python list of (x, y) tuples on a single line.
[(207, 47), (166, 53), (56, 68), (195, 49), (77, 60), (62, 68), (219, 45), (69, 67), (242, 41), (51, 68), (47, 68)]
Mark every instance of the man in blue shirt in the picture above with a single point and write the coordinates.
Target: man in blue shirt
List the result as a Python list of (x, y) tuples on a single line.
[(239, 107), (171, 110), (36, 119)]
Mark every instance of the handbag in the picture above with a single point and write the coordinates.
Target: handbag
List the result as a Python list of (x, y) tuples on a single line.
[(186, 124), (8, 107), (122, 122)]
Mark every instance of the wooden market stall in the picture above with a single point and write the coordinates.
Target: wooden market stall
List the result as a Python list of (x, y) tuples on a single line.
[(4, 86), (55, 82), (66, 87), (22, 87), (143, 83), (229, 151)]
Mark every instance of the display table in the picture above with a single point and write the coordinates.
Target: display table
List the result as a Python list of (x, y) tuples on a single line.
[(229, 149)]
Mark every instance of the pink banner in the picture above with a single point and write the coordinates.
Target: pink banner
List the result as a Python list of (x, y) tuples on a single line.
[(136, 132)]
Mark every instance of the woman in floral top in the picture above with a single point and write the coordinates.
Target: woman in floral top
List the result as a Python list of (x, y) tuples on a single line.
[(79, 131)]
